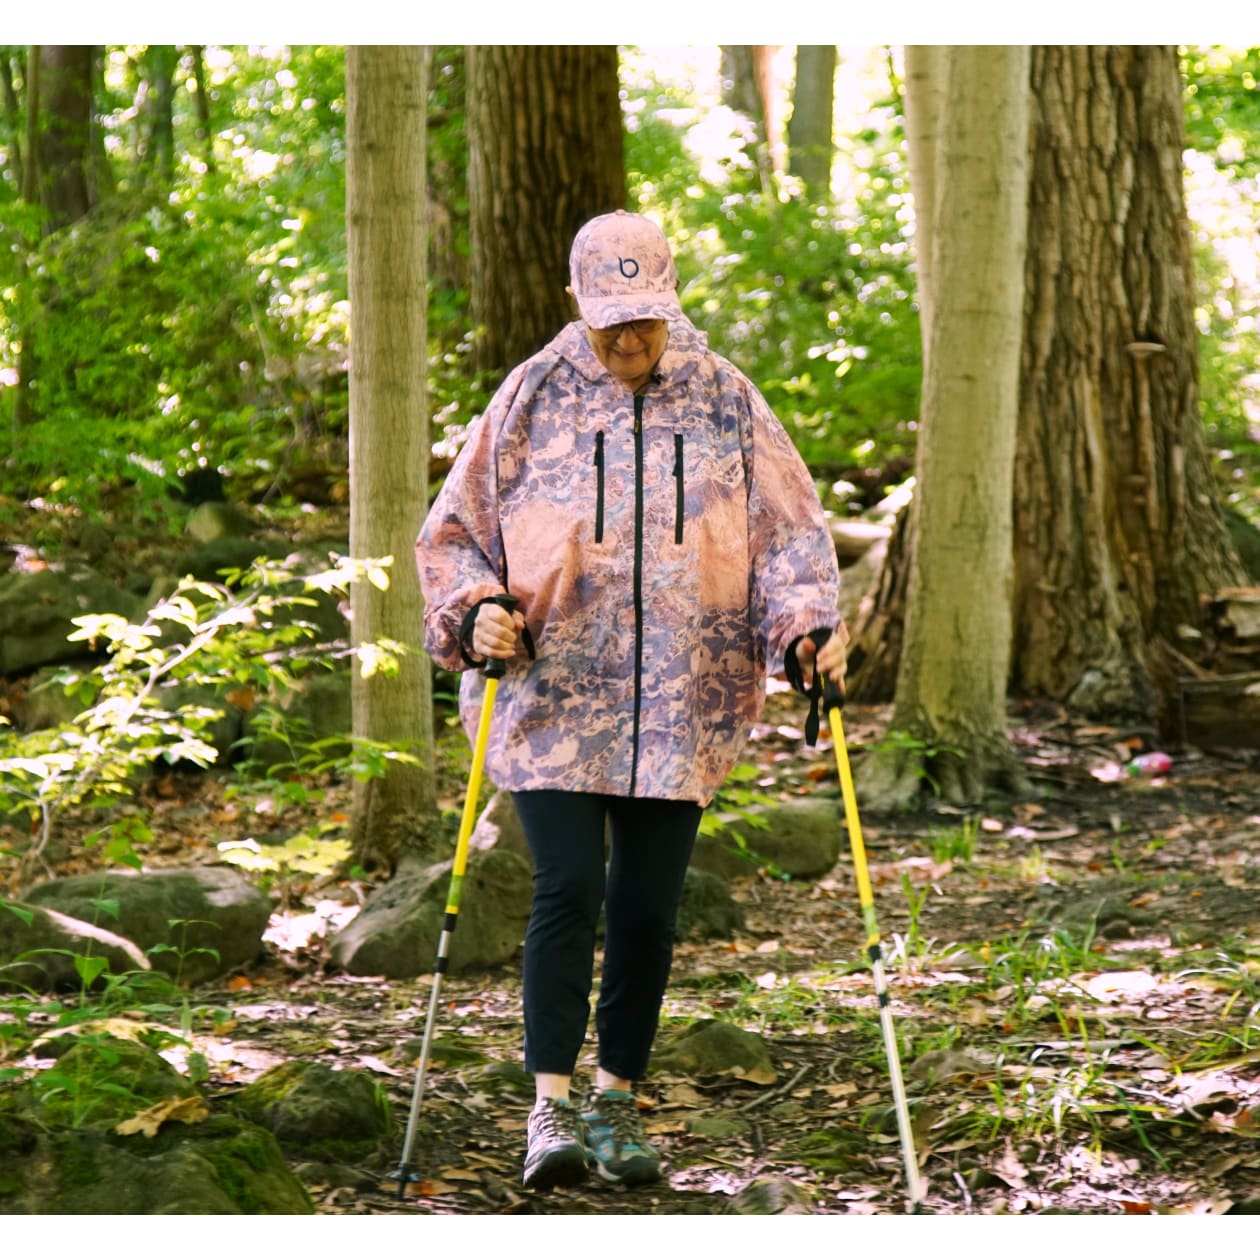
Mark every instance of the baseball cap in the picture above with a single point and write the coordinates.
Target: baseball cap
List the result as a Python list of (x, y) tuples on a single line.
[(621, 269)]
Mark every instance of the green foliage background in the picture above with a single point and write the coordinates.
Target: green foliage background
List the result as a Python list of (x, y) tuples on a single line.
[(203, 321)]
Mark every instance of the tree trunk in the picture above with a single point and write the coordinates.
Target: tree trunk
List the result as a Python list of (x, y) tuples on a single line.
[(544, 155), (810, 146), (925, 104), (951, 689), (1118, 529), (389, 434), (160, 62), (12, 119), (748, 86), (65, 132), (205, 132)]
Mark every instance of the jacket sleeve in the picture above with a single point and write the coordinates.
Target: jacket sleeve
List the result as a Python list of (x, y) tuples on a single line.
[(459, 552), (795, 577)]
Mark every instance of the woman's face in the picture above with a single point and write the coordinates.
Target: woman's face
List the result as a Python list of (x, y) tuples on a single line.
[(630, 351)]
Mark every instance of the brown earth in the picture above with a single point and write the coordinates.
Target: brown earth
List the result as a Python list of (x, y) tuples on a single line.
[(1075, 986)]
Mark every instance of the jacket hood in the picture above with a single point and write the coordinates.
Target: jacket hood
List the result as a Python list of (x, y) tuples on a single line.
[(686, 348)]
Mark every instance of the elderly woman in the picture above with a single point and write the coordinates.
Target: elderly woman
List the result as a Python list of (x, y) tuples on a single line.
[(634, 491)]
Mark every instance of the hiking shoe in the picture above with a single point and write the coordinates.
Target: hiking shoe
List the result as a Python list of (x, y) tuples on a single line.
[(615, 1138), (556, 1154)]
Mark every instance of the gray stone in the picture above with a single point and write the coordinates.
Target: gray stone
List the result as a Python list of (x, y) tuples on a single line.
[(316, 1108), (36, 611), (317, 709), (712, 1047), (40, 954), (397, 932), (800, 836), (210, 521), (771, 1196), (707, 909), (194, 924), (220, 1167), (499, 827)]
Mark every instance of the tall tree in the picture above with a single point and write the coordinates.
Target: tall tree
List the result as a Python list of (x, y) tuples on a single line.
[(951, 688), (545, 154), (1118, 530), (748, 86), (159, 64), (64, 140), (389, 438), (810, 147)]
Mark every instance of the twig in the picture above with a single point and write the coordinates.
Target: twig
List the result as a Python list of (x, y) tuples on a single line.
[(762, 1099)]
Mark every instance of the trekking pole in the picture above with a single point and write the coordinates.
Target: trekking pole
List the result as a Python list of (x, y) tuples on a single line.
[(833, 702), (495, 668)]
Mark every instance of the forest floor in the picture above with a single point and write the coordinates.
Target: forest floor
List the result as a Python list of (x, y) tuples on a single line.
[(1075, 984)]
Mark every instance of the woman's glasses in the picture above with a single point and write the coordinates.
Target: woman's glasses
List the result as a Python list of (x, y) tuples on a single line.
[(642, 328)]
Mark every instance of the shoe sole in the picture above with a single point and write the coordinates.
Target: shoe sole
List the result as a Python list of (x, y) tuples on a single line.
[(568, 1168)]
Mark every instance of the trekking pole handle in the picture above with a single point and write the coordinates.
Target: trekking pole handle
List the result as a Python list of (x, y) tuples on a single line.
[(832, 696), (496, 666)]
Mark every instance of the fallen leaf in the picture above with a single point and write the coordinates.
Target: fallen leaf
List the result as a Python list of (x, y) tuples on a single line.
[(190, 1109)]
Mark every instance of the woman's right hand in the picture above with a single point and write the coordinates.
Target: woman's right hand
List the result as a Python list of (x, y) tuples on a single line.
[(495, 632)]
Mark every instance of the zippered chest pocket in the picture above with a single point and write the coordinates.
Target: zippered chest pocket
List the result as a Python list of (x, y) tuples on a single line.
[(599, 486), (680, 489)]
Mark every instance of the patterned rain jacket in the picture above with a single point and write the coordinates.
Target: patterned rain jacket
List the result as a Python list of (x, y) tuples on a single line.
[(666, 549)]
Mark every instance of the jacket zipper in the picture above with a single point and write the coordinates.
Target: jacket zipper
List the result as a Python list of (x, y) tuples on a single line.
[(679, 495), (599, 486), (638, 585)]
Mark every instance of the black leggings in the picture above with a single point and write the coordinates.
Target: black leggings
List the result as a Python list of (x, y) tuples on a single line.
[(651, 846)]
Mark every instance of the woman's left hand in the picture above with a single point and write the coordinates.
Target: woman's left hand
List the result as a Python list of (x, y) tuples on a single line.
[(831, 659)]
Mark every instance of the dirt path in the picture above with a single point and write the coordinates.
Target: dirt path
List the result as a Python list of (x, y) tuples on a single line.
[(1076, 991)]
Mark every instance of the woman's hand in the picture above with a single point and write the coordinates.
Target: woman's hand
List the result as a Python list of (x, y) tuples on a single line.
[(495, 631), (831, 659)]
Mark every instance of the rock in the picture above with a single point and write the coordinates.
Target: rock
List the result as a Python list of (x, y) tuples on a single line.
[(317, 1109), (712, 1047), (396, 934), (800, 836), (221, 1167), (40, 955), (207, 561), (499, 827), (106, 1080), (317, 709), (707, 909), (771, 1196), (219, 916), (42, 703), (210, 521), (36, 611)]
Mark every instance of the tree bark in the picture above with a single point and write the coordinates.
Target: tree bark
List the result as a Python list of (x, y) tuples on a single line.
[(160, 62), (748, 83), (810, 147), (951, 690), (925, 103), (12, 115), (545, 154), (205, 132), (65, 132), (1118, 528), (389, 435)]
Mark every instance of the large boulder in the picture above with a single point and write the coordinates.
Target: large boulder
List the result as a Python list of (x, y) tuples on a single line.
[(36, 611), (317, 1109), (38, 948), (194, 924), (799, 836), (397, 932)]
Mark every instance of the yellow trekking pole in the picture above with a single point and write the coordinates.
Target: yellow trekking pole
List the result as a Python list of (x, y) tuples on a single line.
[(833, 702), (494, 670)]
